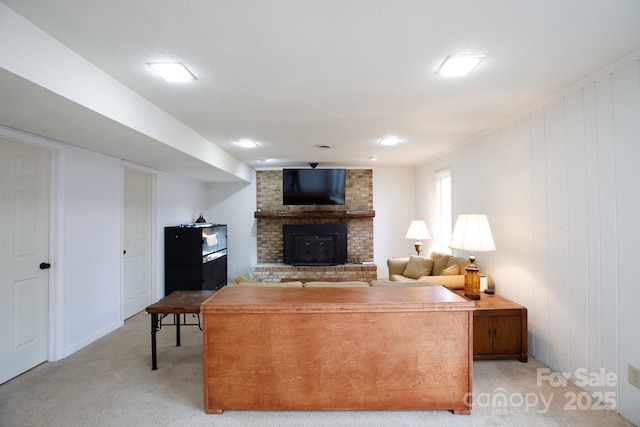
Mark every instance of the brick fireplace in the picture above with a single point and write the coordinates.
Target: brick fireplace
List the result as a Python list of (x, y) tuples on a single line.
[(357, 214)]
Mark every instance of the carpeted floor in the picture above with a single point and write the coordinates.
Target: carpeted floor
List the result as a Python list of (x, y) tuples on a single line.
[(110, 383)]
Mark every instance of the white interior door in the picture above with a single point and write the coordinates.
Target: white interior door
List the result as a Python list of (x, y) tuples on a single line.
[(24, 245), (137, 241)]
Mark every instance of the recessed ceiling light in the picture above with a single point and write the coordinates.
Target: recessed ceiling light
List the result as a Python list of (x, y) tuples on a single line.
[(247, 143), (324, 146), (459, 65), (172, 71), (373, 158), (262, 159), (390, 140)]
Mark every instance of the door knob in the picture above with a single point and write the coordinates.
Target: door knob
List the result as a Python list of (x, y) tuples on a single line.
[(44, 265)]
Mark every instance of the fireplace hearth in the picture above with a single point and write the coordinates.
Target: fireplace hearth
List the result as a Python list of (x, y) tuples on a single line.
[(315, 244)]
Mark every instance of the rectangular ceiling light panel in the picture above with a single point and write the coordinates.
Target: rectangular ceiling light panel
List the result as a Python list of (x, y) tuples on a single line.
[(459, 65), (172, 71)]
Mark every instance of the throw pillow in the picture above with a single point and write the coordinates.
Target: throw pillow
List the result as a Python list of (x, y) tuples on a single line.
[(241, 279), (353, 284), (439, 262), (417, 267), (247, 284), (451, 271)]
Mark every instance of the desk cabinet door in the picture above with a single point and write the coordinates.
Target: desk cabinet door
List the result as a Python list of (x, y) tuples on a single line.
[(507, 334), (482, 334)]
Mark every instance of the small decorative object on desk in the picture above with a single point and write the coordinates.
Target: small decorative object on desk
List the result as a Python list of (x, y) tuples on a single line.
[(483, 283), (200, 219)]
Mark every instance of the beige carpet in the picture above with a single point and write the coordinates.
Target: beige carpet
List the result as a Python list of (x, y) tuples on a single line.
[(110, 383)]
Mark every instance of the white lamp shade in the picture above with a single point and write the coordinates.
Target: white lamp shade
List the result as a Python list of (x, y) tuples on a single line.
[(472, 233), (417, 230)]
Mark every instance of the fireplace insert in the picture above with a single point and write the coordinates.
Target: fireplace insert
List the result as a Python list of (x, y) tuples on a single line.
[(315, 244)]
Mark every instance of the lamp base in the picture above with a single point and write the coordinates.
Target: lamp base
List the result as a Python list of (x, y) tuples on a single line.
[(418, 246), (472, 297), (472, 281)]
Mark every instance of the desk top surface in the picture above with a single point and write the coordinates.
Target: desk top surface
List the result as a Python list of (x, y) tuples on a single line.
[(331, 300), (180, 302), (492, 302)]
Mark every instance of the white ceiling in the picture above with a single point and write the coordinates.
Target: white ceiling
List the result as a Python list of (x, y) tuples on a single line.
[(292, 74)]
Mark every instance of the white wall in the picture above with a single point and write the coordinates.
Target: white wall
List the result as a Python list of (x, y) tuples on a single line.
[(177, 201), (91, 199), (234, 205), (559, 186), (394, 198), (92, 251)]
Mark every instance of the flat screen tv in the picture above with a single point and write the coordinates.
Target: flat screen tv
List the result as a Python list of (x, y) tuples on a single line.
[(313, 186)]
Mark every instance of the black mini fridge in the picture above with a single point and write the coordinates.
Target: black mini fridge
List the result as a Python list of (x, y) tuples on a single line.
[(195, 257)]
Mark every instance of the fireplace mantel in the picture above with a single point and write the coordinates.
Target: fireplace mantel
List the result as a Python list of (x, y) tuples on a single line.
[(315, 214)]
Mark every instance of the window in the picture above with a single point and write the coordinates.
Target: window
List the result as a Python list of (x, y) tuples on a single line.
[(443, 213)]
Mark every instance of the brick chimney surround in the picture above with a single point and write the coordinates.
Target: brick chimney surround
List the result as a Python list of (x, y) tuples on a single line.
[(357, 213)]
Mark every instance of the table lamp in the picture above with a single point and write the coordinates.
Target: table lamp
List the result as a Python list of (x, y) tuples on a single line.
[(417, 230), (472, 233)]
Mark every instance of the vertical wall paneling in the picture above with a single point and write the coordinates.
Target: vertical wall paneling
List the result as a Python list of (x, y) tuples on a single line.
[(501, 207), (483, 198), (522, 204), (540, 313), (467, 180), (568, 171), (577, 233), (626, 119), (608, 303), (592, 214), (557, 220)]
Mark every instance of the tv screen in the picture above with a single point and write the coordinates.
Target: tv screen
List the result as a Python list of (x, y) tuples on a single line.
[(313, 186)]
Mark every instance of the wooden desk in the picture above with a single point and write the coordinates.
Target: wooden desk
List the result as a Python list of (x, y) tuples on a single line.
[(499, 329), (176, 303), (337, 349)]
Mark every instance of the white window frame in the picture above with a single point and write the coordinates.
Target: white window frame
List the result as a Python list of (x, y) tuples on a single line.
[(444, 211)]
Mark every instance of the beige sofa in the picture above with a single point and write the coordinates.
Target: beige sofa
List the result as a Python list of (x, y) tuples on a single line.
[(243, 281), (441, 269)]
